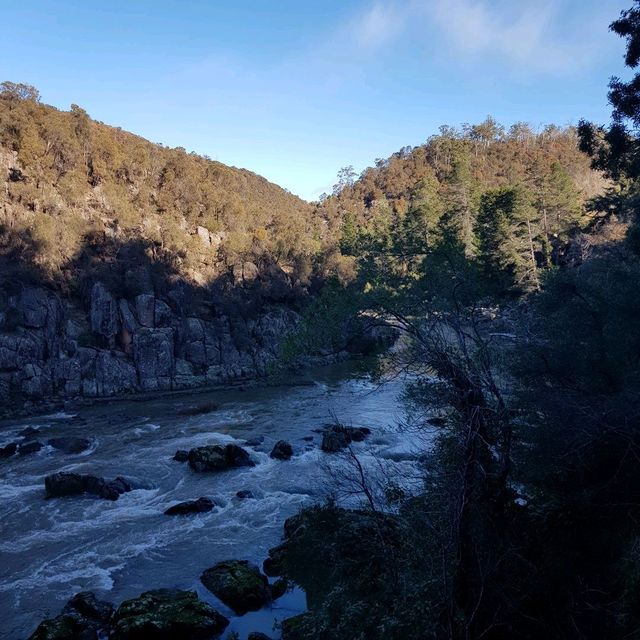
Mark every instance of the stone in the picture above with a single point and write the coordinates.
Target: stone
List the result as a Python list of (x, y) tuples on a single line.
[(239, 584), (72, 484), (165, 614), (70, 444), (245, 494), (197, 409), (26, 448), (162, 314), (145, 309), (29, 432), (219, 458), (254, 442), (336, 437), (104, 313), (201, 505), (154, 358), (181, 455), (257, 635), (8, 450), (86, 605), (282, 450)]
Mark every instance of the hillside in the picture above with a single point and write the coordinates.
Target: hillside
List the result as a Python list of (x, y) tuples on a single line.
[(66, 178), (128, 266)]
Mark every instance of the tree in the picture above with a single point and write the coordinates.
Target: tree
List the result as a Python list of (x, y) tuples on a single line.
[(346, 178), (19, 91), (508, 238)]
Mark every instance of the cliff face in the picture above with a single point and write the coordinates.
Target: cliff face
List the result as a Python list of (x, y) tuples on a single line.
[(49, 347), (127, 266)]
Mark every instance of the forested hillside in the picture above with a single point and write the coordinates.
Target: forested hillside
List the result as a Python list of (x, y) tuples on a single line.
[(520, 313), (66, 178), (127, 266), (513, 197)]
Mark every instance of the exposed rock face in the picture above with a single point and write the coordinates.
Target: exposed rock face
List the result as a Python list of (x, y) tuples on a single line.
[(164, 614), (282, 450), (51, 349), (219, 458), (239, 584), (201, 505), (105, 317)]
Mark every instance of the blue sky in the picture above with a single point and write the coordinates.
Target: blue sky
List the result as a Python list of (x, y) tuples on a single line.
[(296, 90)]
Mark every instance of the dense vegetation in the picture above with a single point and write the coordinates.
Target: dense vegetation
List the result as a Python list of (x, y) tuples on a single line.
[(75, 190), (520, 310)]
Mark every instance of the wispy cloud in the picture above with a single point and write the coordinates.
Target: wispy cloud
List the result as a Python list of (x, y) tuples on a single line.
[(531, 35), (378, 25), (527, 37)]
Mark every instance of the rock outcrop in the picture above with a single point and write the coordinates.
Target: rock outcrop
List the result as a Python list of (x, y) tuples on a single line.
[(219, 458), (50, 348), (282, 450), (239, 584), (165, 613), (201, 505), (62, 484), (336, 437), (84, 617)]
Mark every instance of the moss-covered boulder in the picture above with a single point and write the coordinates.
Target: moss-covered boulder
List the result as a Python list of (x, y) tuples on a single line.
[(165, 614), (62, 628), (84, 617), (239, 584)]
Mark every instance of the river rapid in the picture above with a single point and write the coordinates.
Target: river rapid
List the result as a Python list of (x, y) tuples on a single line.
[(51, 549)]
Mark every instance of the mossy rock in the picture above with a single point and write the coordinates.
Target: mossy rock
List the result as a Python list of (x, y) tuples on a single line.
[(165, 614), (63, 628), (82, 619), (239, 584)]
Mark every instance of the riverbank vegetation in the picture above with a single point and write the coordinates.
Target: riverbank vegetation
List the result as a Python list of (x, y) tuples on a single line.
[(521, 315)]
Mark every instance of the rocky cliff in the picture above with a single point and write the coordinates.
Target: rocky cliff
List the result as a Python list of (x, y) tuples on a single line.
[(49, 347)]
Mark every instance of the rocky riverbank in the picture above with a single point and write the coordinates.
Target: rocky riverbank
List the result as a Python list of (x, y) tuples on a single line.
[(53, 350)]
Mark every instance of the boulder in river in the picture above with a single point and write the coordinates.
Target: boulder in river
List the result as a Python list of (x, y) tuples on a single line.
[(336, 437), (282, 450), (8, 450), (257, 635), (198, 409), (70, 444), (245, 494), (84, 617), (219, 458), (201, 505), (254, 442), (29, 432), (26, 448), (181, 455), (239, 584), (73, 484), (164, 614)]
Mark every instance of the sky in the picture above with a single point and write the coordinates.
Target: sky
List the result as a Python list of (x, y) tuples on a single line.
[(296, 90)]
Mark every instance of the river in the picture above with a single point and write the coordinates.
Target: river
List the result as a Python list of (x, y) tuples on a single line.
[(51, 549)]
